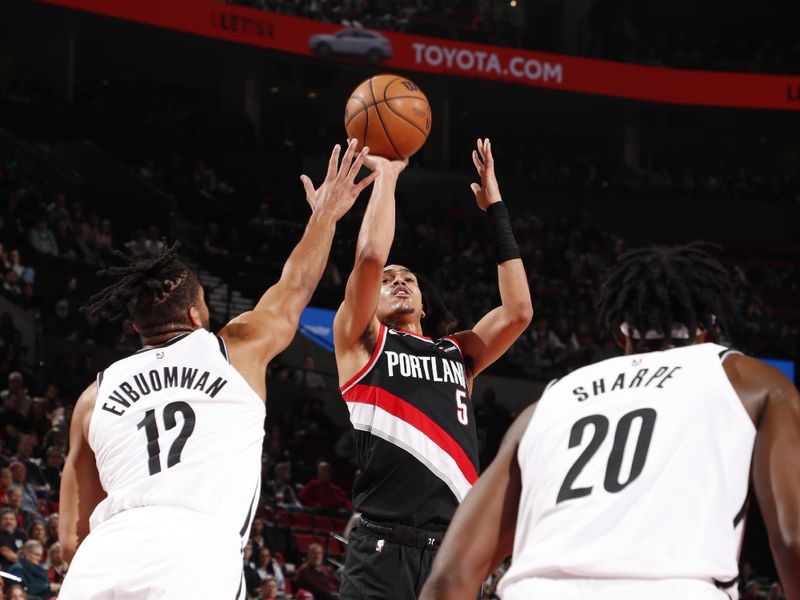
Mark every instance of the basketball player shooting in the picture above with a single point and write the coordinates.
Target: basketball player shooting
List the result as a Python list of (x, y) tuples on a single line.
[(164, 466), (629, 478), (409, 395)]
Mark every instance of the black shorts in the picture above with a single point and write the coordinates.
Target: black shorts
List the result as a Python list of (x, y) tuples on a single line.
[(387, 562)]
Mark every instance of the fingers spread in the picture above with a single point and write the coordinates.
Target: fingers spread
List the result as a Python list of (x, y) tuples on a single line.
[(344, 168), (333, 162), (477, 162), (357, 163), (309, 188)]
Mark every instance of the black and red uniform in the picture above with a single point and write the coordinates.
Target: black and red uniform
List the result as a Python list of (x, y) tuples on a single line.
[(417, 452)]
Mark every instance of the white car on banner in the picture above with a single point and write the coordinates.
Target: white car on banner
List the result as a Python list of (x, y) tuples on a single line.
[(352, 42)]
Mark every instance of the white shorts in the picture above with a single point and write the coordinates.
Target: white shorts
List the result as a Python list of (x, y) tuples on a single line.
[(615, 589), (156, 553)]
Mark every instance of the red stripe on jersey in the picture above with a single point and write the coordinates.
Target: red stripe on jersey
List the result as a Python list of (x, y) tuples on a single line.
[(409, 414), (375, 353)]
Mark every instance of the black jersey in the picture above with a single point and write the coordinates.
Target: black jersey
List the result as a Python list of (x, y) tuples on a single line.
[(415, 437)]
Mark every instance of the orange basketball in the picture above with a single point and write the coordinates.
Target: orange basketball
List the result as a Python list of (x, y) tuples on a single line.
[(390, 114)]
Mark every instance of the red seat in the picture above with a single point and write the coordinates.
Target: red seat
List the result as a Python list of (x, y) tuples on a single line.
[(304, 540), (339, 525), (301, 520), (283, 518), (321, 523), (336, 549)]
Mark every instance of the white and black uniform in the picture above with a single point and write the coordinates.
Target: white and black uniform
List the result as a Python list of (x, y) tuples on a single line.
[(634, 477), (177, 433)]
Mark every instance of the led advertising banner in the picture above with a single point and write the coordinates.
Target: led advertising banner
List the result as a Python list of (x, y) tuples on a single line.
[(387, 51)]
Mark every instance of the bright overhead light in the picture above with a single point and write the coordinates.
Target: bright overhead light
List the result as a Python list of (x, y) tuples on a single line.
[(312, 94), (274, 89), (513, 3)]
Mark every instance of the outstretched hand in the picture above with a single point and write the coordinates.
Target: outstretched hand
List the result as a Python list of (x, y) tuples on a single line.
[(487, 192), (339, 191)]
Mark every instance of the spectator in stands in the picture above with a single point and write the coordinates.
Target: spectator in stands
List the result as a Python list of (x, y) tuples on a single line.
[(84, 244), (282, 487), (154, 242), (213, 244), (33, 574), (56, 565), (137, 245), (251, 579), (17, 592), (103, 238), (11, 538), (38, 532), (51, 472), (25, 274), (25, 449), (24, 517), (40, 423), (6, 481), (11, 287), (20, 475), (323, 493), (63, 324), (57, 210), (269, 567), (270, 591), (17, 387), (42, 239), (308, 377), (52, 528), (316, 577)]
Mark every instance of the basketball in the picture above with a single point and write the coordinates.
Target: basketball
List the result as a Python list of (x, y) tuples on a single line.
[(390, 114)]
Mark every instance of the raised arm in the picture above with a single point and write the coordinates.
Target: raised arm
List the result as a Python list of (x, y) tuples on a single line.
[(500, 327), (81, 490), (375, 238), (481, 534), (776, 460), (256, 336)]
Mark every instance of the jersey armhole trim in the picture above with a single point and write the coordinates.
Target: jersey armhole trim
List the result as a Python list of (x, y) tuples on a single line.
[(549, 385), (729, 352), (100, 378), (382, 332), (456, 343), (222, 347)]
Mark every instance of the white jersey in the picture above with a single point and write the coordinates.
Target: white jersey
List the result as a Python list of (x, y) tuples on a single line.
[(635, 468), (178, 426)]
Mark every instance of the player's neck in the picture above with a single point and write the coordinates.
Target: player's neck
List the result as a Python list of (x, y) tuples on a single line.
[(410, 326), (164, 335)]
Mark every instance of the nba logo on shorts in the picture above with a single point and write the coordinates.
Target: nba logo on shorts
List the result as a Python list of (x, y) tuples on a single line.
[(379, 545)]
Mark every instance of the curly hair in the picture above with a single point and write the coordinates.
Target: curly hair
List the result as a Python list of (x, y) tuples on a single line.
[(658, 287), (154, 292)]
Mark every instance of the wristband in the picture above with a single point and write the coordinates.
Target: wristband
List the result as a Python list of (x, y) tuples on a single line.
[(505, 246)]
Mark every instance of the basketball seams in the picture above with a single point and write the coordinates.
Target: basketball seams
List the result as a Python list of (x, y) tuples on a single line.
[(361, 100), (380, 118), (407, 120)]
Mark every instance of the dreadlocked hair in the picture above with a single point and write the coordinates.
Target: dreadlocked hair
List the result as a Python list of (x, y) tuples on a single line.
[(154, 292), (658, 288), (436, 311)]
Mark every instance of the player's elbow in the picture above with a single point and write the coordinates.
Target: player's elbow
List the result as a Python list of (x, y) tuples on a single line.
[(520, 314), (370, 255), (788, 544), (68, 548), (446, 585)]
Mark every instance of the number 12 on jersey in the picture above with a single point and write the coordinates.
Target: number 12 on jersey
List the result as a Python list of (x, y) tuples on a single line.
[(151, 431), (601, 425)]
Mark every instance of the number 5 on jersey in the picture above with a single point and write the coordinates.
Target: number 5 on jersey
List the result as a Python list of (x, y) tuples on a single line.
[(461, 407), (151, 431)]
